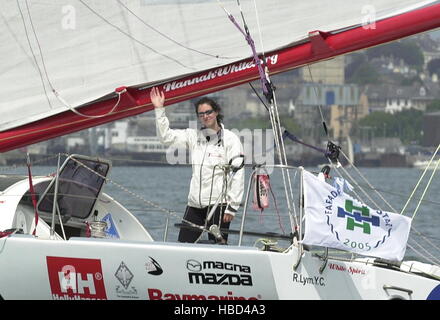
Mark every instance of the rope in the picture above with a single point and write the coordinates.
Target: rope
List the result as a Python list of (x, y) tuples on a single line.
[(432, 260), (394, 210), (369, 262), (32, 51), (208, 210), (32, 192), (375, 190), (263, 77), (169, 38), (273, 111), (119, 93), (150, 203), (133, 38), (345, 171), (16, 166), (283, 160), (287, 134), (54, 91), (276, 209)]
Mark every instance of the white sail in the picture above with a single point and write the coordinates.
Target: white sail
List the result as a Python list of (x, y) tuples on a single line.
[(86, 49)]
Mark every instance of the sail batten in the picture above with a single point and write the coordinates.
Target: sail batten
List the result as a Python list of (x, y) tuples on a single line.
[(28, 114)]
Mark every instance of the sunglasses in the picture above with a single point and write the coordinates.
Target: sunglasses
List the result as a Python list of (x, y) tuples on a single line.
[(206, 113)]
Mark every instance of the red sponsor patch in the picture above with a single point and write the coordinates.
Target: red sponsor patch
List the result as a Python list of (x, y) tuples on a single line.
[(76, 278)]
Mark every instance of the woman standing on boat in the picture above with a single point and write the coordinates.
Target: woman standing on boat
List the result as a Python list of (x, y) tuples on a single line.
[(210, 147)]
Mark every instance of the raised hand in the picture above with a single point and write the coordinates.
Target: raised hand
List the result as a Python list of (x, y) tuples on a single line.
[(157, 98)]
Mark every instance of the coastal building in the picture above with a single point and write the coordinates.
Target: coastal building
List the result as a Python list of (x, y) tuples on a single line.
[(394, 98)]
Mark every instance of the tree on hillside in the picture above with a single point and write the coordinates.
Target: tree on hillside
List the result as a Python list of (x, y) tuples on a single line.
[(434, 67), (364, 74), (358, 58), (411, 81), (406, 125), (379, 121), (434, 106), (408, 51)]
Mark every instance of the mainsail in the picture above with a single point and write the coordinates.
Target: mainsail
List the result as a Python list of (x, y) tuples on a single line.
[(102, 57)]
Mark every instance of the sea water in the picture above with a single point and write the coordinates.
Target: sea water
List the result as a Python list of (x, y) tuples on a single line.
[(158, 195), (168, 187)]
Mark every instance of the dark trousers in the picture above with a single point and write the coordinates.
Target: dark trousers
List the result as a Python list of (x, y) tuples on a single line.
[(198, 216)]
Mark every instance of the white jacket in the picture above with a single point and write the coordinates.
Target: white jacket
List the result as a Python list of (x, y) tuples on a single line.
[(205, 154)]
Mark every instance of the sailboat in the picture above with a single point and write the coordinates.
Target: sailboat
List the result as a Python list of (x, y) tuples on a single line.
[(72, 67), (423, 164)]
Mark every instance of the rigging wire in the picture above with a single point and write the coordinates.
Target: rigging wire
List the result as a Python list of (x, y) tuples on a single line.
[(268, 91), (258, 96), (426, 188), (348, 160), (319, 104), (376, 190), (160, 209), (420, 180), (54, 91), (360, 188), (426, 238), (434, 259), (421, 235), (401, 195), (328, 137), (368, 183), (48, 78), (259, 28)]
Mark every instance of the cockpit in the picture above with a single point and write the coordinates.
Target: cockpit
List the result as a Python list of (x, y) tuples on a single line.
[(81, 208)]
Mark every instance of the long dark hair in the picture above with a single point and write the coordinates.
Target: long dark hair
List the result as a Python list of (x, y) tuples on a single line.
[(214, 106)]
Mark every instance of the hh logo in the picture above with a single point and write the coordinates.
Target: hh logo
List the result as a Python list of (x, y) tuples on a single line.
[(75, 278), (358, 217)]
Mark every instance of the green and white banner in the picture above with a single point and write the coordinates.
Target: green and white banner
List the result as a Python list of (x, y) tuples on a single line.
[(334, 219)]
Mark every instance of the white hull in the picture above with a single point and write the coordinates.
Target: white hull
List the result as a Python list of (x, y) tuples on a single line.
[(115, 269), (133, 266)]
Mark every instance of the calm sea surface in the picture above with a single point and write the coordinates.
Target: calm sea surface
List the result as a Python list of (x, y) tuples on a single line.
[(167, 187)]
